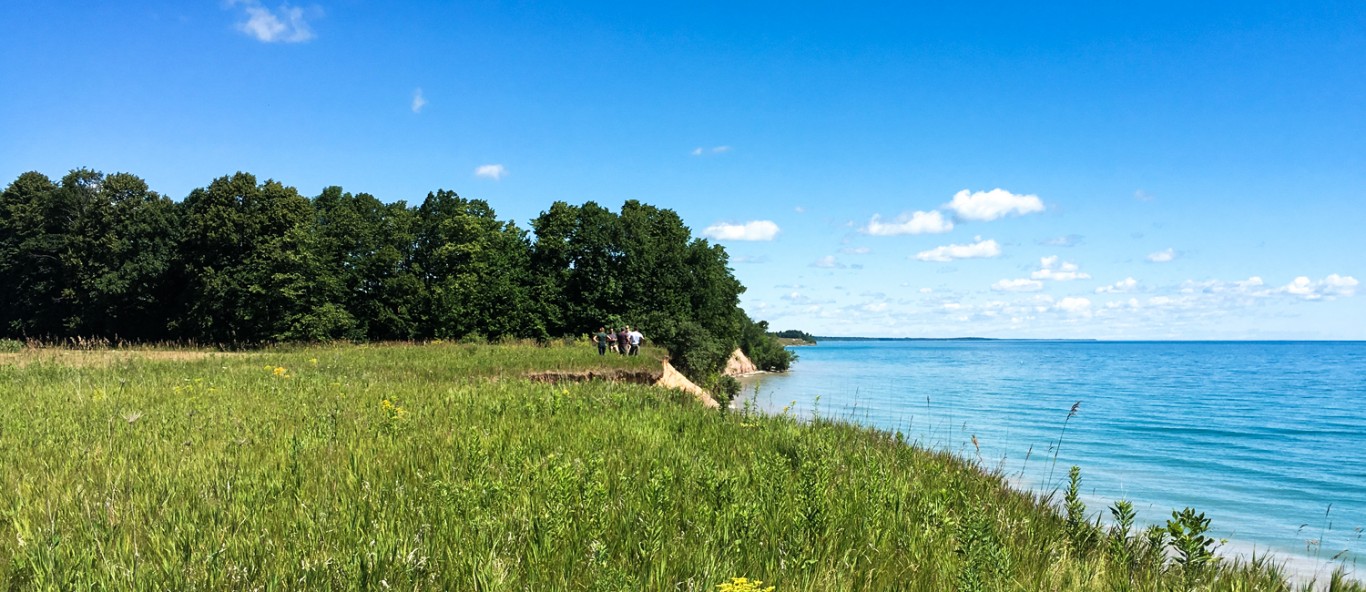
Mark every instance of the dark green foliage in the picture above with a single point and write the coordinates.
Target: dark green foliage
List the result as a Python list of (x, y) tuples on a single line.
[(251, 265), (87, 257), (694, 350), (242, 263), (366, 250), (795, 334), (762, 349), (642, 267), (577, 267), (476, 270)]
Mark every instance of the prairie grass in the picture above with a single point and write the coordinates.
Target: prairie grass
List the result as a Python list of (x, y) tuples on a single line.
[(439, 467)]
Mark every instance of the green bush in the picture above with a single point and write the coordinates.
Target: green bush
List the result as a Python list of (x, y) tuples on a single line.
[(10, 346), (763, 347)]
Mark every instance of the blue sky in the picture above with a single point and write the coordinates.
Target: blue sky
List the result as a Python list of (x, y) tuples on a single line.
[(1079, 170)]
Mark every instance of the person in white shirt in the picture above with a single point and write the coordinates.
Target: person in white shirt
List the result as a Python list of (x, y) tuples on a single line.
[(633, 337)]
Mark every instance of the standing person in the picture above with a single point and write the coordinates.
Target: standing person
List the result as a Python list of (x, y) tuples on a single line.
[(603, 337), (621, 340), (634, 337)]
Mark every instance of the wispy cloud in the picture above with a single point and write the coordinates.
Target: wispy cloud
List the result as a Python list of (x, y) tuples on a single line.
[(286, 24), (699, 151), (1051, 268), (491, 171), (1165, 256), (1017, 285), (1142, 195), (1070, 240), (419, 101), (932, 222), (1125, 285), (983, 206), (830, 262), (977, 250), (826, 262), (855, 251), (756, 230)]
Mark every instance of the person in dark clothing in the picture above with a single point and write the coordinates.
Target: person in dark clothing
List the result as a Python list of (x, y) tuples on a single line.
[(622, 340), (603, 338)]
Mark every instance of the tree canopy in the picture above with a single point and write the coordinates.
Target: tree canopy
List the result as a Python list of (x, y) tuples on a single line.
[(243, 262)]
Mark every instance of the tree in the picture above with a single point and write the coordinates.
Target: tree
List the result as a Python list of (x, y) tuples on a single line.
[(251, 268), (578, 264), (476, 270), (367, 250), (89, 257), (30, 266)]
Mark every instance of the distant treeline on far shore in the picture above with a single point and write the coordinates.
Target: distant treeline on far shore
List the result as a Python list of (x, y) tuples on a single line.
[(242, 262)]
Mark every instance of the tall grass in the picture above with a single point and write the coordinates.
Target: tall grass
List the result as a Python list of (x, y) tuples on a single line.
[(439, 467)]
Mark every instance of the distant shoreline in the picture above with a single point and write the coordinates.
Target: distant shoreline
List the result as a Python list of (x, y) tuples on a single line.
[(820, 338)]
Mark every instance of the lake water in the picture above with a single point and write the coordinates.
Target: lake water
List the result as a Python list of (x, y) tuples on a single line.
[(1268, 439)]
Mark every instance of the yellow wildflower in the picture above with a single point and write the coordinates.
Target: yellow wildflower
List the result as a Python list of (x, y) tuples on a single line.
[(743, 585)]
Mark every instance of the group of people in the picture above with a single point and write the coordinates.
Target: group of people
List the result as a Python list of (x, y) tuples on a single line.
[(625, 341)]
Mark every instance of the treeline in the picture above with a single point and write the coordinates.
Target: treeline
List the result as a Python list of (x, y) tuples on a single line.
[(243, 263), (796, 335)]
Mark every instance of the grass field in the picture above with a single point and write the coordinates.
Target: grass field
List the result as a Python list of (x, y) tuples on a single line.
[(440, 467)]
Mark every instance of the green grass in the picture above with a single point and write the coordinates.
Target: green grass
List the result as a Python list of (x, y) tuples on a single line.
[(438, 467)]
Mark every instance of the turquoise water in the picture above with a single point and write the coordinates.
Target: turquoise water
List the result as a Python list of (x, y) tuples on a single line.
[(1268, 439)]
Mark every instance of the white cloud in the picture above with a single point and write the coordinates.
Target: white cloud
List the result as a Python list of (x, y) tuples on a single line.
[(989, 205), (927, 290), (286, 24), (491, 171), (1074, 305), (856, 250), (931, 222), (1050, 269), (874, 307), (979, 249), (757, 230), (419, 101), (1142, 195), (1125, 285), (1340, 285), (1332, 286), (799, 210), (1018, 285), (1162, 256)]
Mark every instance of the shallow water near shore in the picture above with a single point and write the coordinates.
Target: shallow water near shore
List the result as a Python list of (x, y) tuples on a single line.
[(1268, 439)]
